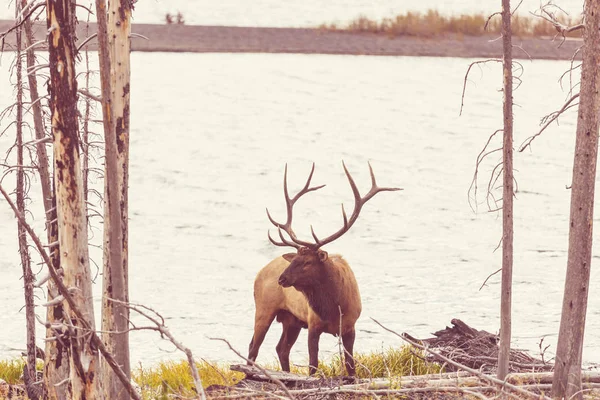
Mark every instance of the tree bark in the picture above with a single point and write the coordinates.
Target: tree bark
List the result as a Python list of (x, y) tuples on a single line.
[(28, 278), (72, 227), (114, 49), (507, 197), (56, 362), (567, 373)]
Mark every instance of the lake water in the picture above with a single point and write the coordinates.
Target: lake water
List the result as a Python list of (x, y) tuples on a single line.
[(301, 13), (211, 134)]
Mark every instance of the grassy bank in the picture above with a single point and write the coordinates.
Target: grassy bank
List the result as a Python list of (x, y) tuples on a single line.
[(432, 23), (173, 377)]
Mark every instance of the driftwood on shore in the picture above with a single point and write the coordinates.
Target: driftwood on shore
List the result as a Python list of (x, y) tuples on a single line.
[(8, 391), (477, 349), (469, 349), (443, 385)]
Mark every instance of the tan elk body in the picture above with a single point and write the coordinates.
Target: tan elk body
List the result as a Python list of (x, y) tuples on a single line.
[(309, 289)]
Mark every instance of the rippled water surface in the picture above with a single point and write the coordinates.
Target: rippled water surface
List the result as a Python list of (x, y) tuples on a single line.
[(211, 134)]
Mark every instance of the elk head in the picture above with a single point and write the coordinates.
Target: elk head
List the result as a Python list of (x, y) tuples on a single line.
[(305, 269)]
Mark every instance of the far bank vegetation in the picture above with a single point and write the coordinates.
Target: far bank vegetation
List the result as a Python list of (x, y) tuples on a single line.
[(432, 23)]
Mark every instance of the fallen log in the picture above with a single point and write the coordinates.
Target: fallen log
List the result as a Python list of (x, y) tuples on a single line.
[(256, 374), (432, 380)]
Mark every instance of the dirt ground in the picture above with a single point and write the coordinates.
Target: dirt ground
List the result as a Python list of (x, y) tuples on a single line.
[(225, 39)]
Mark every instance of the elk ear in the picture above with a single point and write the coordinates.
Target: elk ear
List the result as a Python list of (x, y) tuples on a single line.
[(322, 255), (289, 256)]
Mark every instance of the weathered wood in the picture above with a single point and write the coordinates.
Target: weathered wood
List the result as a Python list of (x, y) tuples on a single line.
[(56, 360), (8, 391), (508, 193), (21, 193), (256, 374), (114, 48), (567, 382), (72, 222), (478, 349), (409, 384)]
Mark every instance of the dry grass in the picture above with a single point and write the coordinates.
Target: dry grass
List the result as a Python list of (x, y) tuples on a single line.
[(391, 363), (432, 23), (11, 370), (169, 378), (173, 377)]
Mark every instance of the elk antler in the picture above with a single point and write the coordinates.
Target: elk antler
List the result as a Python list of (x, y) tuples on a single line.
[(358, 203), (287, 227)]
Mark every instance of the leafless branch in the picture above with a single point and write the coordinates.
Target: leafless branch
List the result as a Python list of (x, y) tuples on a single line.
[(478, 63), (92, 96), (137, 35), (69, 299), (549, 119), (549, 16), (19, 23), (480, 158), (86, 41), (159, 326), (489, 276)]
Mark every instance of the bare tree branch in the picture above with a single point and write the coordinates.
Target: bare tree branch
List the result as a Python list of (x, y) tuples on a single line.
[(462, 97), (550, 118), (159, 326), (68, 298)]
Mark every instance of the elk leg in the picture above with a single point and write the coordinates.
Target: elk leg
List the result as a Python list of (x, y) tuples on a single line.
[(313, 350), (348, 341), (261, 326), (291, 330)]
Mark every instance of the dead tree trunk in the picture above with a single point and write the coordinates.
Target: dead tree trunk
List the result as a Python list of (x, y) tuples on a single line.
[(56, 362), (72, 227), (567, 374), (507, 197), (28, 279), (114, 48)]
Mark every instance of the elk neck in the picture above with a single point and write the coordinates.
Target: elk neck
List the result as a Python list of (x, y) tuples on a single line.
[(323, 295)]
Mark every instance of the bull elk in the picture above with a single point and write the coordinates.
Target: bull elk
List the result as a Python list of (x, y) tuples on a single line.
[(309, 288)]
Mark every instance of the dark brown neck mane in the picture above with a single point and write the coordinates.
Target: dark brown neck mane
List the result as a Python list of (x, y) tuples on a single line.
[(323, 295)]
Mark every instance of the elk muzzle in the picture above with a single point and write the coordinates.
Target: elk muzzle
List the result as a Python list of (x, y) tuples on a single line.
[(283, 281)]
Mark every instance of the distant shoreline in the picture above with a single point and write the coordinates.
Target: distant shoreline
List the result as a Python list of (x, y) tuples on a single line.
[(229, 39)]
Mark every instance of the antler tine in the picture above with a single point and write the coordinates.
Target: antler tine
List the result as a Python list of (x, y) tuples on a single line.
[(345, 216), (289, 203), (376, 189), (306, 187), (271, 218), (285, 188), (358, 203), (283, 242), (314, 235), (352, 183), (272, 240)]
